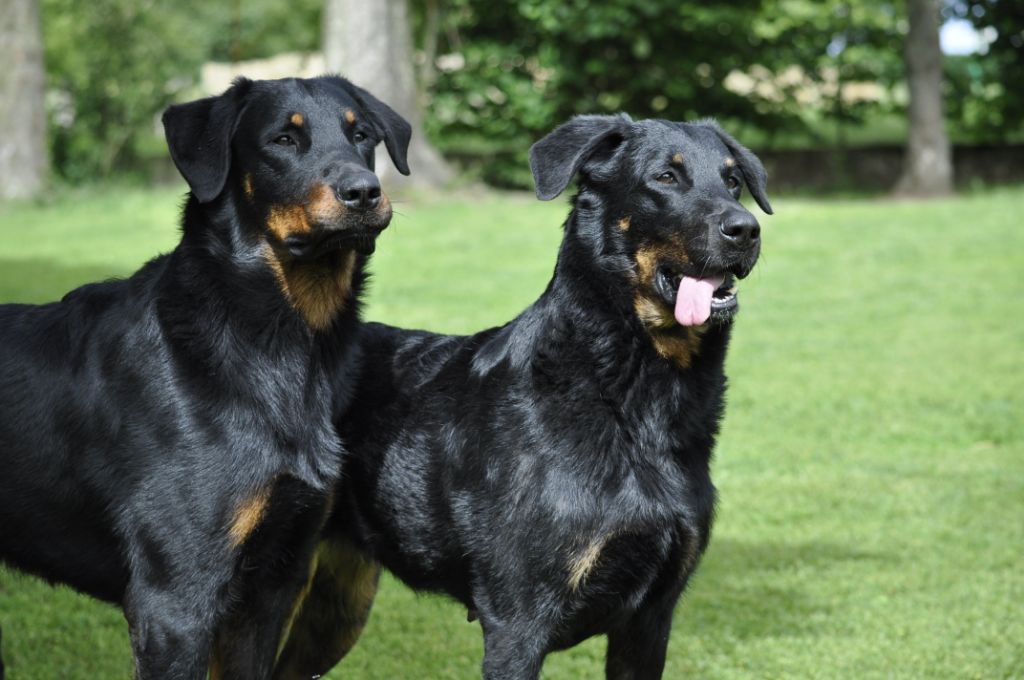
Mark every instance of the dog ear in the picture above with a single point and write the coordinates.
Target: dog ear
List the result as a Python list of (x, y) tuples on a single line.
[(750, 166), (199, 137), (395, 130), (557, 158)]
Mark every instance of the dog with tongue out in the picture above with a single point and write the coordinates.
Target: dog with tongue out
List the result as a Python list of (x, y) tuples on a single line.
[(553, 474)]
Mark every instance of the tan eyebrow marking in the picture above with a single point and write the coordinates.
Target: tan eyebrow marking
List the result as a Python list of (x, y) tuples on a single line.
[(677, 159), (350, 116), (297, 119), (729, 162)]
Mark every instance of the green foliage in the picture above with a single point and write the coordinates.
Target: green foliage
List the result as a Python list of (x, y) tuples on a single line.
[(987, 97), (256, 29), (509, 72), (109, 77), (870, 468), (114, 65), (505, 73)]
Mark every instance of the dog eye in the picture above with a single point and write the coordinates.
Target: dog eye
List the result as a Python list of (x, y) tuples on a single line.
[(284, 140), (358, 136), (666, 178), (732, 182)]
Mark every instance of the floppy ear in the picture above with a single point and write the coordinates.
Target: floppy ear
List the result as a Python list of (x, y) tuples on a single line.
[(557, 158), (396, 130), (750, 166), (199, 137)]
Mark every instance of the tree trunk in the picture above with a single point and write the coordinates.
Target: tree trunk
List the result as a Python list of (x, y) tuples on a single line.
[(370, 43), (928, 165), (24, 163)]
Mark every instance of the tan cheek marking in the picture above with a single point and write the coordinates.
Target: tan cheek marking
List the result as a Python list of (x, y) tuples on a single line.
[(318, 290), (584, 563), (323, 204), (297, 120), (624, 224), (653, 315), (677, 159), (350, 116), (288, 220), (729, 162), (248, 516), (670, 340)]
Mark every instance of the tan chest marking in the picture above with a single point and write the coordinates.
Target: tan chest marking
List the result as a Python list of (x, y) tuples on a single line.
[(318, 290)]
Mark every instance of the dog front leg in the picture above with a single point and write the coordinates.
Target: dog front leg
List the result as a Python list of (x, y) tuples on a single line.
[(636, 650), (513, 651), (169, 641)]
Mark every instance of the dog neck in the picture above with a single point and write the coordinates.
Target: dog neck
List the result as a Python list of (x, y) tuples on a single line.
[(318, 292)]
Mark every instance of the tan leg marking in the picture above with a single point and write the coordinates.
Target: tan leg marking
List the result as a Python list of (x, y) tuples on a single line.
[(329, 617), (247, 517), (581, 565)]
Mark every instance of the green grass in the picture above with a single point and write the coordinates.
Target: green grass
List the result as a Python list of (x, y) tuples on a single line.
[(871, 466)]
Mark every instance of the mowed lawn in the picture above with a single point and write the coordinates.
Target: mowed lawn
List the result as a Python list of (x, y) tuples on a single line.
[(871, 467)]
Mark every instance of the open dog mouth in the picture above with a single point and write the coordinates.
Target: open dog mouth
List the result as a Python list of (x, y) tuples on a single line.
[(697, 299)]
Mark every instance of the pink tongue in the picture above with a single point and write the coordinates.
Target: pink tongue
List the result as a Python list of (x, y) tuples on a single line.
[(693, 301)]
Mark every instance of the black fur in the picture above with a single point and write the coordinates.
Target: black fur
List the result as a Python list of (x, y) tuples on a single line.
[(553, 474), (166, 441)]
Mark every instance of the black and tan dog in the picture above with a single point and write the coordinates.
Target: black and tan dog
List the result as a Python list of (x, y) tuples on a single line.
[(552, 474), (166, 441)]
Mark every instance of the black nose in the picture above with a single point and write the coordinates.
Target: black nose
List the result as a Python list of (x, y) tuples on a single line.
[(361, 192), (741, 228)]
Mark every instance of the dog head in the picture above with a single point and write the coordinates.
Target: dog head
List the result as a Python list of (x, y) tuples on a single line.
[(668, 194), (295, 154)]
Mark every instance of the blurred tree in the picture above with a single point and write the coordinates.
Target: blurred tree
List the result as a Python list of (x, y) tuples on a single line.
[(24, 161), (371, 44), (928, 164)]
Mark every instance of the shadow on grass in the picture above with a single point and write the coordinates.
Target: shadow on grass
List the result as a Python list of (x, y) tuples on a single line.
[(37, 281), (758, 589)]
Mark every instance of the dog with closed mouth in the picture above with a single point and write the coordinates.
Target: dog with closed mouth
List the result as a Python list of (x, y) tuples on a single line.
[(166, 441), (552, 474)]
